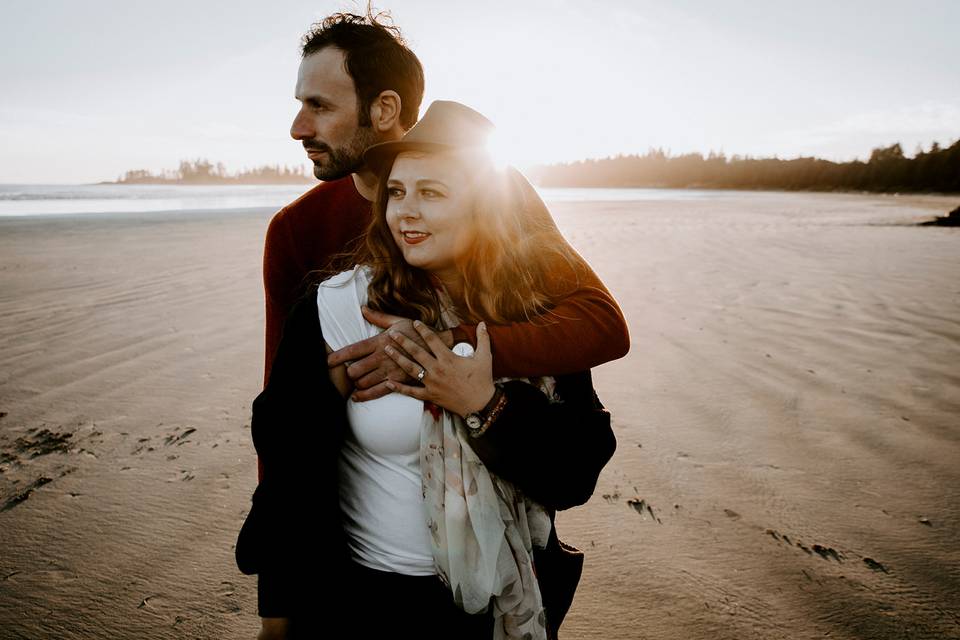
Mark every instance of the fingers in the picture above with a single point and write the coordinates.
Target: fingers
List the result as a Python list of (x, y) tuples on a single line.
[(387, 369), (379, 318), (375, 377), (376, 391), (410, 367), (416, 352), (483, 341), (419, 393), (406, 328), (364, 367), (355, 351), (432, 339)]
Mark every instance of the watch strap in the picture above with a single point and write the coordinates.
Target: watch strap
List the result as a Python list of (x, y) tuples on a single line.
[(497, 391), (491, 412)]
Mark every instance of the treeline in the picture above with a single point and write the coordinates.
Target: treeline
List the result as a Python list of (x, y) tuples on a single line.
[(205, 172), (887, 170)]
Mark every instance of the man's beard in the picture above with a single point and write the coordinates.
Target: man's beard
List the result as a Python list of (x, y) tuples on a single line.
[(344, 160)]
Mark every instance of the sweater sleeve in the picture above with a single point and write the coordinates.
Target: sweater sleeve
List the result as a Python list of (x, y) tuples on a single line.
[(280, 268), (584, 330), (553, 451)]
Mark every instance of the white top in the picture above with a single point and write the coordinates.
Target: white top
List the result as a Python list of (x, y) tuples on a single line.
[(381, 496)]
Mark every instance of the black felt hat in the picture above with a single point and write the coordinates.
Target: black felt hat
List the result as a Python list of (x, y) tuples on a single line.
[(446, 126)]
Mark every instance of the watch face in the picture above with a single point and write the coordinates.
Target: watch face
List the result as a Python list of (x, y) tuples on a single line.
[(473, 421), (464, 349)]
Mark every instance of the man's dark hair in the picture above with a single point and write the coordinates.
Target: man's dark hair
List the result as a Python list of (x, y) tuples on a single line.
[(377, 58)]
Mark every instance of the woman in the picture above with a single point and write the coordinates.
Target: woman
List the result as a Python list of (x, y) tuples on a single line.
[(441, 511)]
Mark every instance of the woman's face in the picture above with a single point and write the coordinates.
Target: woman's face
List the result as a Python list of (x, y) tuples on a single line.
[(429, 207)]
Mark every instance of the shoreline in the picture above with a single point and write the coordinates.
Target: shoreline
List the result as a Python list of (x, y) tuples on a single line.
[(554, 197), (200, 184), (133, 216)]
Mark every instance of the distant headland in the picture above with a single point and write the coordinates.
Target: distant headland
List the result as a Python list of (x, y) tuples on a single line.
[(887, 171), (204, 172)]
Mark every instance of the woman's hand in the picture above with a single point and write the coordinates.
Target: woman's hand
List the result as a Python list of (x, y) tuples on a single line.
[(366, 366), (460, 384), (273, 628)]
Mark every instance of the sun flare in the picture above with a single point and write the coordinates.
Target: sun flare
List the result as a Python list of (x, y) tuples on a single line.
[(502, 150)]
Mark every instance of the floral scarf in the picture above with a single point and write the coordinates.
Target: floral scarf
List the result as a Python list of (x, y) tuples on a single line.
[(482, 528)]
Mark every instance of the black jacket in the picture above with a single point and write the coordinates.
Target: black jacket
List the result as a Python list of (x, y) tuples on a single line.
[(293, 537)]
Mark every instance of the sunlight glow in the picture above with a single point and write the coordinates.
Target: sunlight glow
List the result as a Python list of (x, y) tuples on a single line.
[(501, 151)]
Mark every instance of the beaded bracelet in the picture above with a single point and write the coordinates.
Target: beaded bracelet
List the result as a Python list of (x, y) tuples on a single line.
[(493, 414)]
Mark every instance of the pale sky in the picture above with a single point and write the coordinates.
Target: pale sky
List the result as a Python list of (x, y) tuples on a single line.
[(91, 89)]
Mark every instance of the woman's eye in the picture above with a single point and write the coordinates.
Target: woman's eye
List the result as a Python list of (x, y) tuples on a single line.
[(430, 193), (395, 192)]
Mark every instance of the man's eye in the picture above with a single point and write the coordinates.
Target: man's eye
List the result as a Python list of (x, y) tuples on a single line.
[(431, 193), (395, 192)]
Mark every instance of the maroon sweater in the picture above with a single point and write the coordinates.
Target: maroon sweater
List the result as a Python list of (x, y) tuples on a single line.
[(586, 329), (303, 236)]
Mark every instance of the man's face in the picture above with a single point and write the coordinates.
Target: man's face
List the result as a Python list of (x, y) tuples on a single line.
[(327, 122)]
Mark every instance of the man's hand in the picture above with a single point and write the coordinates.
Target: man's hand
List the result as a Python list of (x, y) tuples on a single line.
[(273, 628), (371, 367)]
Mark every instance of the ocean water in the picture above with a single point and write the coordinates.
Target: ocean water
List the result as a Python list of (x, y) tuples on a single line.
[(53, 199), (45, 199)]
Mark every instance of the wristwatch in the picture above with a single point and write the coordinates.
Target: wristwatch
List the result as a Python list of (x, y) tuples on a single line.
[(479, 421), (474, 422)]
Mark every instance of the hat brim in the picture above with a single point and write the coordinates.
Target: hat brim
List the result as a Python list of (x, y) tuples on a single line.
[(379, 156)]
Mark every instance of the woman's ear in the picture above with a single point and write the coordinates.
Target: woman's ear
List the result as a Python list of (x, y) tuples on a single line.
[(385, 111)]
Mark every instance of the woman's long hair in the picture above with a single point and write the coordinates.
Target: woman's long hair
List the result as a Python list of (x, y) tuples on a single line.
[(516, 268)]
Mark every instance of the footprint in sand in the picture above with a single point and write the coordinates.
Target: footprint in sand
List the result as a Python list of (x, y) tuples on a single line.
[(178, 438), (141, 446), (874, 565), (227, 591), (825, 552), (612, 498), (24, 493), (640, 506), (42, 442), (148, 602)]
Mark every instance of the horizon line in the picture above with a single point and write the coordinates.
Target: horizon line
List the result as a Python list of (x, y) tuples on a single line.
[(526, 166)]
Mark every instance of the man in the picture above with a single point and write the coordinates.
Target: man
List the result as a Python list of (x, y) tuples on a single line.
[(358, 85)]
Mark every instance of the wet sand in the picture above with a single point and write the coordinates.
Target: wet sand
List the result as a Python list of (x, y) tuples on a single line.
[(787, 421)]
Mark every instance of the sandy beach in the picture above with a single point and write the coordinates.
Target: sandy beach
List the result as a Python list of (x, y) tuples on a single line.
[(787, 420)]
